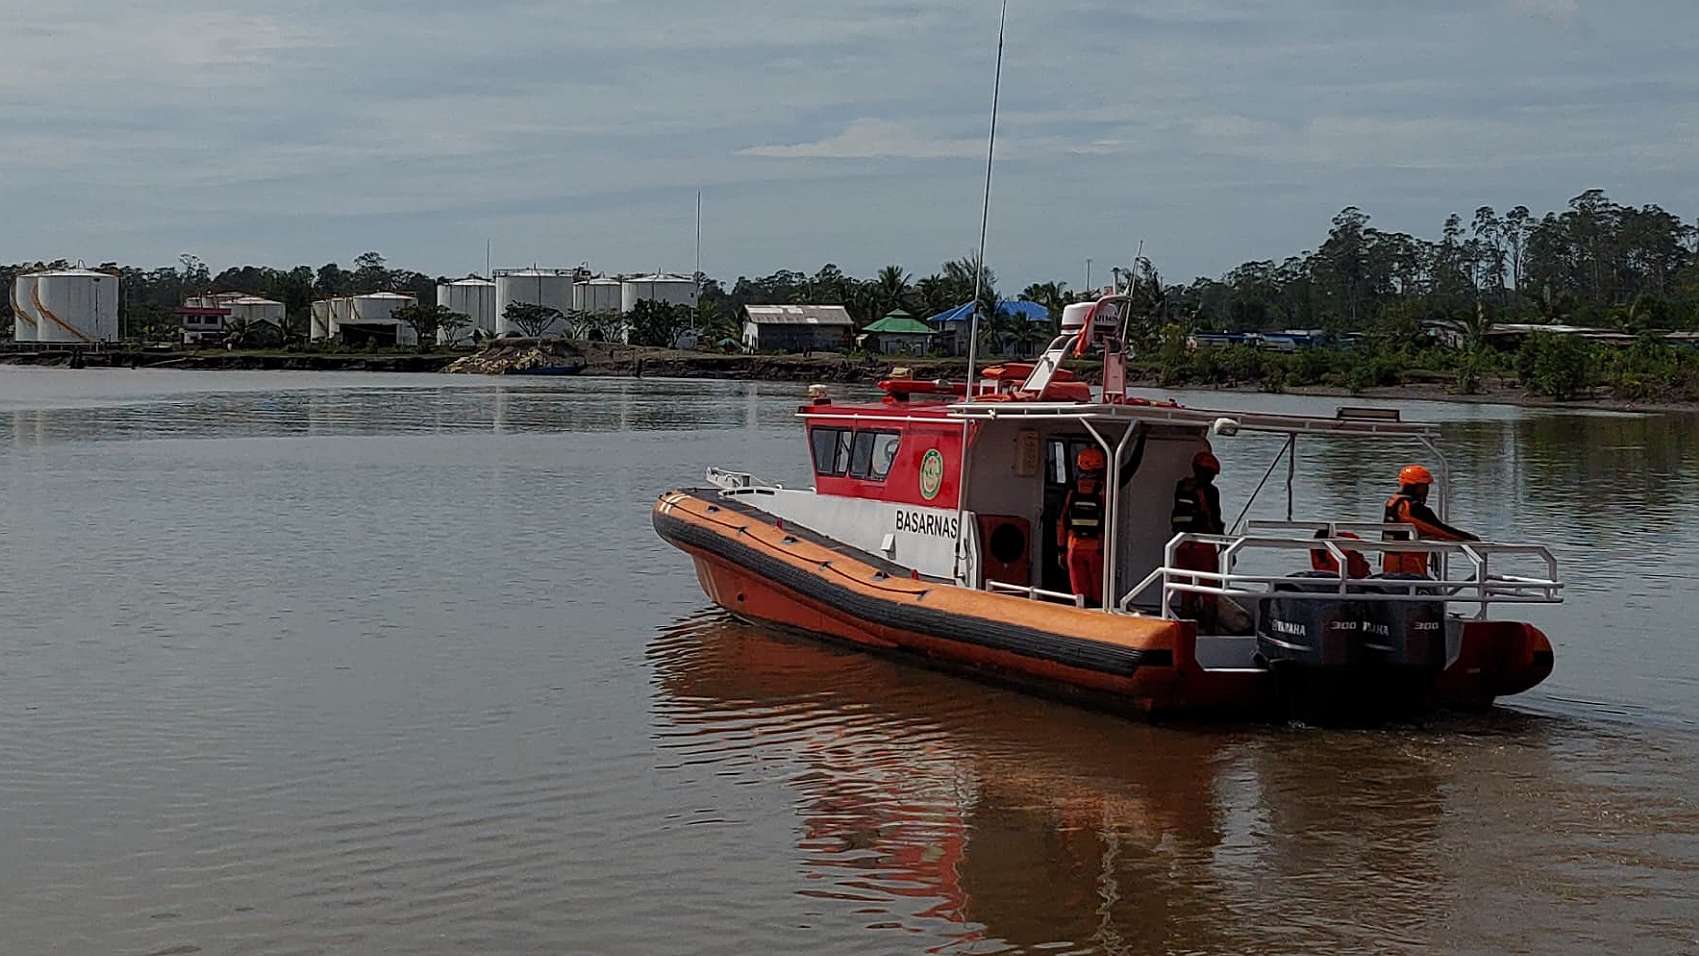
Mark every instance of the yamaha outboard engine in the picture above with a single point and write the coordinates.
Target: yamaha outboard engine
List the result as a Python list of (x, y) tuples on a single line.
[(1402, 634), (1307, 632), (1345, 657)]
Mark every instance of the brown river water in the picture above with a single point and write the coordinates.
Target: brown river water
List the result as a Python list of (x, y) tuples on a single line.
[(321, 663)]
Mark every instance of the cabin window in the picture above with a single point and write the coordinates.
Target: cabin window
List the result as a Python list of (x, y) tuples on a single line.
[(885, 445), (871, 454), (1058, 462), (831, 448), (861, 455)]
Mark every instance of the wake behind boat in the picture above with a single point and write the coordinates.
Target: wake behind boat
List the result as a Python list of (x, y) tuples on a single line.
[(931, 532)]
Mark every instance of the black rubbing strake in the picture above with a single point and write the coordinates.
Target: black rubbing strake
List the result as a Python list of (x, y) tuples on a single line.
[(999, 635)]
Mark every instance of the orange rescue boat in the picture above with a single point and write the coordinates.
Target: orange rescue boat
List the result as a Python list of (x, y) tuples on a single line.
[(927, 535)]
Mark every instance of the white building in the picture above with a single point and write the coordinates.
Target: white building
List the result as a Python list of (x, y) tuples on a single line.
[(207, 315), (796, 328)]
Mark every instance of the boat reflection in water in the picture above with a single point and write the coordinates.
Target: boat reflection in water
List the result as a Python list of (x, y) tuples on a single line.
[(991, 818)]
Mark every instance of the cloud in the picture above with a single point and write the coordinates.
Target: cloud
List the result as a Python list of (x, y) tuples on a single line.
[(1557, 11), (875, 139), (288, 131), (142, 52), (223, 40)]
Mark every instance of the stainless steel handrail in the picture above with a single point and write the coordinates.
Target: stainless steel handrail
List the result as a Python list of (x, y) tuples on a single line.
[(1036, 593), (736, 482), (1479, 588)]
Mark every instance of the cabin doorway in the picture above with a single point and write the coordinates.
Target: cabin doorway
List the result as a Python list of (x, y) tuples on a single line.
[(1060, 452)]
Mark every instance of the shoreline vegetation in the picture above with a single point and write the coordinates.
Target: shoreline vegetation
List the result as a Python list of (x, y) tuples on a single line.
[(1596, 303), (1316, 372)]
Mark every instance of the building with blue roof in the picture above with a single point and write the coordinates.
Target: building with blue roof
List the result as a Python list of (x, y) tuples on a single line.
[(954, 323)]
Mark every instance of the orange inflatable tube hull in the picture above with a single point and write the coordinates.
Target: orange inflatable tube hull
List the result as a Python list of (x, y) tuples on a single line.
[(752, 565)]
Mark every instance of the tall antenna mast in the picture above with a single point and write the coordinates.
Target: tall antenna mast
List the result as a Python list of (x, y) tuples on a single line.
[(978, 287), (985, 215)]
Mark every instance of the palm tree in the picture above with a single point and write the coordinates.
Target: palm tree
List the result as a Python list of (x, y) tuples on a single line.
[(892, 284), (866, 303), (936, 294), (1053, 296), (1027, 337), (999, 330)]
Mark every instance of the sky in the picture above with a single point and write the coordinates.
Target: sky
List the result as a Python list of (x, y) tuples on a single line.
[(851, 132)]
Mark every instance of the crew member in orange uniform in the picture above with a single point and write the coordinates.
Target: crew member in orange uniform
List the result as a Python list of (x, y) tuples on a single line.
[(1410, 506), (1197, 510), (1080, 532)]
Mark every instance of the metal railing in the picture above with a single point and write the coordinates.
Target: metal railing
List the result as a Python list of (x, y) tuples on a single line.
[(733, 481), (1481, 587), (1036, 593)]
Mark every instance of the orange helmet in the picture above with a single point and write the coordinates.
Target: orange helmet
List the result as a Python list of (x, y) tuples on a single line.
[(1092, 459), (1206, 461), (1415, 475)]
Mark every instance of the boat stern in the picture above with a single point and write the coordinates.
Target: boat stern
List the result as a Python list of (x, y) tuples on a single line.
[(1495, 659)]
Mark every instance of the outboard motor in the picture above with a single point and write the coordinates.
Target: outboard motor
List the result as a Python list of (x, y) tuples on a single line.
[(1310, 633), (1334, 657), (1404, 634)]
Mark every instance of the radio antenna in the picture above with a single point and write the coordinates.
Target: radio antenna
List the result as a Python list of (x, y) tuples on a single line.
[(985, 211), (978, 289)]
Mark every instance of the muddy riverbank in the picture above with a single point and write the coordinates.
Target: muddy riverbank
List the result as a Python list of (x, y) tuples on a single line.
[(609, 360)]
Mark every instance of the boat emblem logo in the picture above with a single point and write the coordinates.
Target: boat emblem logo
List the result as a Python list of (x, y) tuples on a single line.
[(931, 474)]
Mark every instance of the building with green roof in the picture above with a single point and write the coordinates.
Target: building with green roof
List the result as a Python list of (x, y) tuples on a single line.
[(898, 333)]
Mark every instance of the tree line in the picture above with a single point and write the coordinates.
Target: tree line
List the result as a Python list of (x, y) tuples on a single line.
[(1594, 263)]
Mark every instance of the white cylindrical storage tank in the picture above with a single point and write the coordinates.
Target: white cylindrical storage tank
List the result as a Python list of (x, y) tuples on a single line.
[(660, 287), (24, 319), (473, 298), (550, 288), (252, 308), (319, 324), (75, 306), (597, 295), (378, 309)]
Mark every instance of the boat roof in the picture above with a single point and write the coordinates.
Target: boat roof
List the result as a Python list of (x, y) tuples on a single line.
[(1347, 421), (1362, 422)]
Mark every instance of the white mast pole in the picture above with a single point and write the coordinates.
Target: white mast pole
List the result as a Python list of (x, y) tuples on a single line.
[(978, 285), (985, 212)]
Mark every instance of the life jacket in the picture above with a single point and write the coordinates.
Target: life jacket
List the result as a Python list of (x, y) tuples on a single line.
[(1401, 562), (1084, 515), (1356, 565), (1191, 509)]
